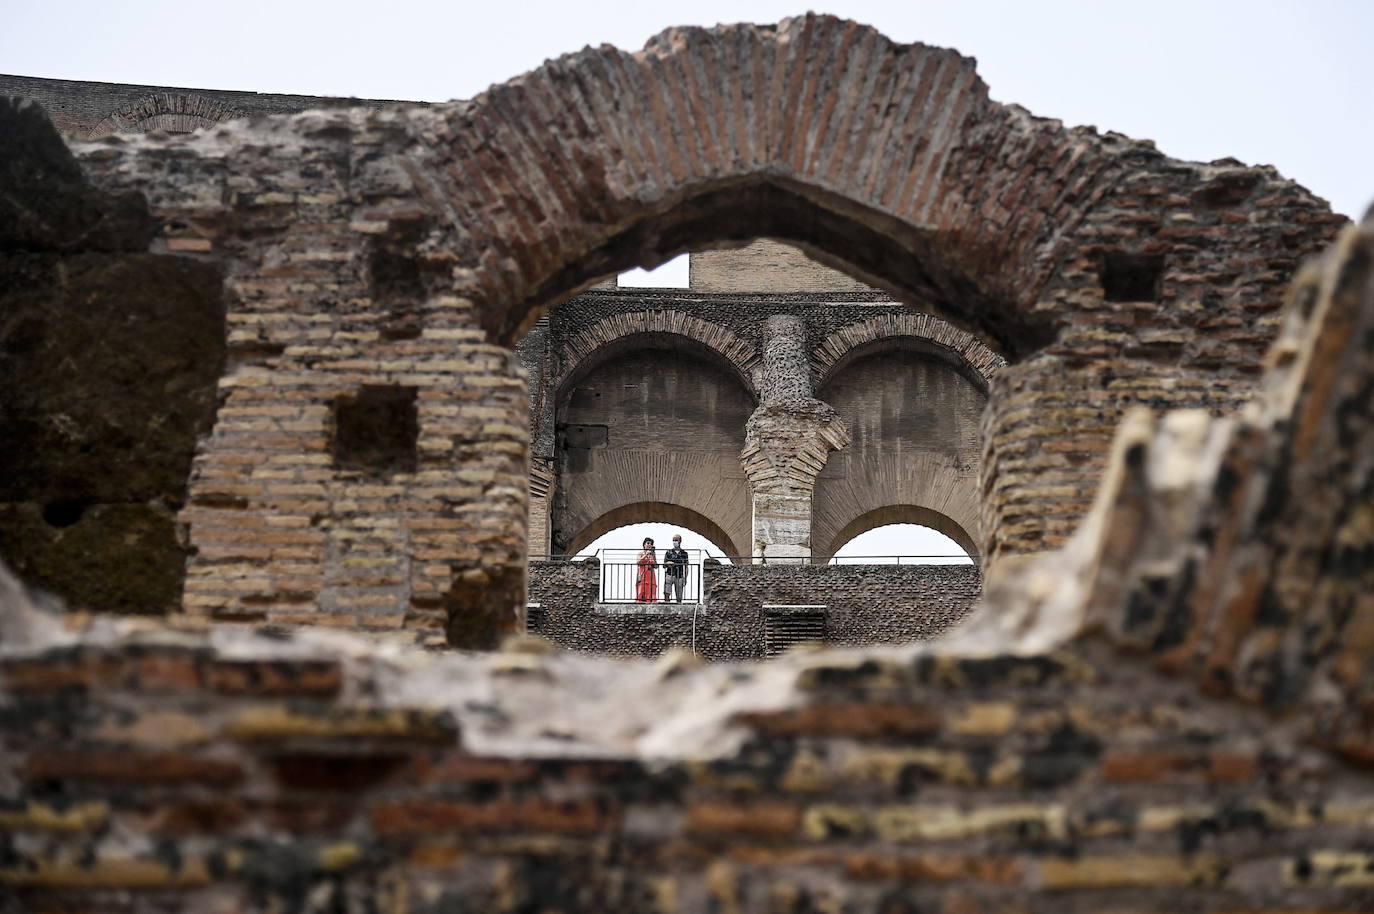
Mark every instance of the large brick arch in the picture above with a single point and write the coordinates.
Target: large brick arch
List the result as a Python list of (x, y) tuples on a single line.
[(886, 160), (901, 514)]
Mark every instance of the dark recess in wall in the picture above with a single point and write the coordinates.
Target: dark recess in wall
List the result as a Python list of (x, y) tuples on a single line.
[(1131, 277), (376, 430)]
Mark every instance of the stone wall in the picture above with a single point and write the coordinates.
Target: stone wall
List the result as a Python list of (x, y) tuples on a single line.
[(914, 425), (84, 110), (864, 604), (766, 266), (656, 424)]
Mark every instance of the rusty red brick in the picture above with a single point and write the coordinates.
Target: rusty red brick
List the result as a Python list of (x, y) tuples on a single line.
[(855, 719), (130, 767), (429, 816), (276, 677), (756, 819)]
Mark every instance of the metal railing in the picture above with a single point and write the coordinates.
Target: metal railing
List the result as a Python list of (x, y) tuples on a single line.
[(959, 559), (628, 582)]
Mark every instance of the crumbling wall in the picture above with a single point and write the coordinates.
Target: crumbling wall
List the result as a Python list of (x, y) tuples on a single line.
[(235, 772)]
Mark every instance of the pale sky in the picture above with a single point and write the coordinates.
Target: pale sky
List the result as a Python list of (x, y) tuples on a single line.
[(1289, 84)]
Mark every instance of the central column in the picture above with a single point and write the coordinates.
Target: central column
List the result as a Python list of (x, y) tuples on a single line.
[(786, 443)]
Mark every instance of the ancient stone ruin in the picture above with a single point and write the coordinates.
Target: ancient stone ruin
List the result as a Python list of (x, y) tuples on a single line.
[(340, 355)]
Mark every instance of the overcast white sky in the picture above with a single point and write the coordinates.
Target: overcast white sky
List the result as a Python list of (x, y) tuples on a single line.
[(1289, 84)]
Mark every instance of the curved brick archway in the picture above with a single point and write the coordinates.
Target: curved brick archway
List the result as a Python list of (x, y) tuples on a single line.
[(857, 340), (658, 512), (902, 514), (173, 112), (888, 161)]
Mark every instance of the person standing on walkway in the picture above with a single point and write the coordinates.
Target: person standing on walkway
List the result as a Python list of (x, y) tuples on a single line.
[(674, 570), (646, 586)]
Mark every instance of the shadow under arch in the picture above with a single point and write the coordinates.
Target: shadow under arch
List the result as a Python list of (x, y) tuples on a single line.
[(652, 512), (586, 360), (903, 514), (897, 343), (838, 233), (920, 333)]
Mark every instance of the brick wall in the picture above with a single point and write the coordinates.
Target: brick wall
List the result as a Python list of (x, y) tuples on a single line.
[(765, 266), (865, 604), (163, 772), (1170, 714)]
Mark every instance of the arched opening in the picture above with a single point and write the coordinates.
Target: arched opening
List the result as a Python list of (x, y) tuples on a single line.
[(675, 516), (841, 233), (914, 419), (903, 515), (650, 419), (678, 572), (901, 544), (617, 349), (630, 538)]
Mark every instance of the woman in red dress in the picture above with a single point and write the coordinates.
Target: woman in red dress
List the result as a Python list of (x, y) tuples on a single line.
[(646, 585)]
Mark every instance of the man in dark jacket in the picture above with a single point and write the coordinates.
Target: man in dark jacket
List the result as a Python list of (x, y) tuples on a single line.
[(674, 570)]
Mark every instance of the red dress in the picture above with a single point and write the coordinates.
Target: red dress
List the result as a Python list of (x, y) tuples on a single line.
[(646, 585)]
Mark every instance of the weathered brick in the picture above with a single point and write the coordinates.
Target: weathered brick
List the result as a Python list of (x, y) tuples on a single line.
[(420, 817), (130, 767), (270, 722), (870, 720), (753, 819), (1129, 871), (281, 677)]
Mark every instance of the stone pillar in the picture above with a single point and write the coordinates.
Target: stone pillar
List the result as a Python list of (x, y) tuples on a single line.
[(786, 443)]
